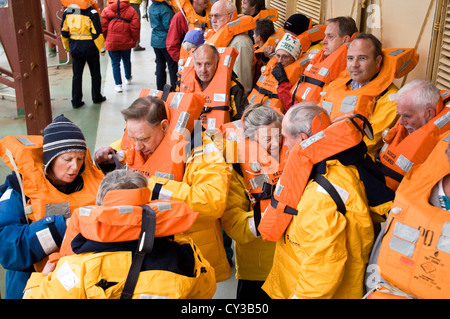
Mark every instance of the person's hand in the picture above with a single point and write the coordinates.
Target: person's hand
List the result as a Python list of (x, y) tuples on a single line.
[(279, 73), (48, 268), (104, 155), (269, 51)]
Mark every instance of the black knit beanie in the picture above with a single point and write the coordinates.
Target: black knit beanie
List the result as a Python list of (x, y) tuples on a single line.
[(61, 136), (297, 23)]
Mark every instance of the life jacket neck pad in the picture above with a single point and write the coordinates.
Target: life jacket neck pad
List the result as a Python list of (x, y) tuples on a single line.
[(169, 158), (225, 34), (269, 13), (123, 222), (341, 135), (401, 150)]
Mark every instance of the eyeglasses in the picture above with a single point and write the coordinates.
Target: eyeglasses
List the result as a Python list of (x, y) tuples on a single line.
[(217, 16), (283, 57)]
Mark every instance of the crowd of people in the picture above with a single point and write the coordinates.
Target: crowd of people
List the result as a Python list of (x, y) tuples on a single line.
[(294, 143)]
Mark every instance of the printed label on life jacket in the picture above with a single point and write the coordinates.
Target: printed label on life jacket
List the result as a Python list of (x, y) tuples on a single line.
[(312, 139)]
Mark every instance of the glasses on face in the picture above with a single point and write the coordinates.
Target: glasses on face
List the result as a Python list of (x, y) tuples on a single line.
[(217, 16), (283, 56)]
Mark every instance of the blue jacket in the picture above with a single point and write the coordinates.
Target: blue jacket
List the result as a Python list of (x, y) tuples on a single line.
[(22, 245), (160, 14)]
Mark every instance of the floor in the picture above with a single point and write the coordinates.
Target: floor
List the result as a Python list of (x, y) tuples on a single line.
[(101, 124)]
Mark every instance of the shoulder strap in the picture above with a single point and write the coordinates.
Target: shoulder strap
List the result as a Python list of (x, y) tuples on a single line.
[(145, 246), (325, 183)]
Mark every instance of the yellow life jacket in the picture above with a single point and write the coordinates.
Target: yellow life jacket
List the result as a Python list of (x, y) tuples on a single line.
[(415, 251), (225, 34), (338, 99), (320, 72), (23, 154), (402, 150), (169, 158), (331, 139), (216, 110)]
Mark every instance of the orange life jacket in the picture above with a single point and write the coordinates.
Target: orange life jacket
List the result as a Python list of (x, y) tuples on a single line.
[(169, 158), (193, 19), (216, 110), (120, 219), (402, 150), (269, 13), (338, 99), (415, 251), (82, 4), (225, 34), (265, 90), (320, 72), (331, 139), (260, 169), (44, 198), (272, 40)]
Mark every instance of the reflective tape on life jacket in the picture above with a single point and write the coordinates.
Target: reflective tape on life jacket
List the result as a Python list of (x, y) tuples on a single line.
[(331, 139), (320, 72), (260, 169), (216, 110), (169, 158), (123, 223), (338, 100), (265, 90), (120, 219), (23, 154), (415, 251), (225, 34), (402, 150)]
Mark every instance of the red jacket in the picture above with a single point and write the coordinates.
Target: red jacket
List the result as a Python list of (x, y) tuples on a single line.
[(177, 30), (121, 32)]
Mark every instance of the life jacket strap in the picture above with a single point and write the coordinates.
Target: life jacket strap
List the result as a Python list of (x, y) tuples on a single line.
[(331, 190), (145, 246)]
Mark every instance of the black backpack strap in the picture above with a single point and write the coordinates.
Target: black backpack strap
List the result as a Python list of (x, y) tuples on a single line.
[(325, 183), (145, 246)]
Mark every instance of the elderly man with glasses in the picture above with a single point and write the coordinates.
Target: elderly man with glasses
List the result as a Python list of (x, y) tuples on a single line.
[(223, 12)]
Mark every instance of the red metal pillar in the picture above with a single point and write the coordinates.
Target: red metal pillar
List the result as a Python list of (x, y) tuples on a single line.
[(21, 34)]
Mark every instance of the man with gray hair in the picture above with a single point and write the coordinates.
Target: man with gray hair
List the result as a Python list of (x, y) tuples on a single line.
[(297, 121), (319, 231), (223, 12), (424, 119)]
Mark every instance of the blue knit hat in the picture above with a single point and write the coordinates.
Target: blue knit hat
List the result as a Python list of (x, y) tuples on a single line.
[(61, 136), (195, 37)]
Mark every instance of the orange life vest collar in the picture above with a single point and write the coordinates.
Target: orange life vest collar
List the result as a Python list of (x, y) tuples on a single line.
[(319, 73), (338, 99), (44, 198), (216, 109), (169, 158), (402, 150), (330, 140), (225, 34)]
